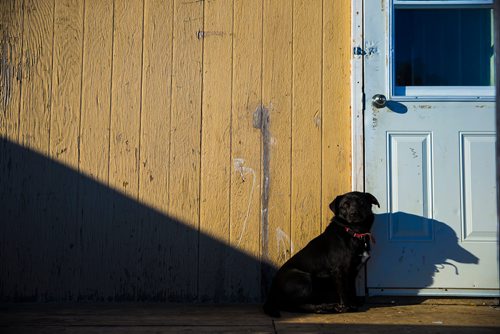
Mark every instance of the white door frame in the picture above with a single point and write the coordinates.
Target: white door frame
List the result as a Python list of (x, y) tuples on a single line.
[(357, 97)]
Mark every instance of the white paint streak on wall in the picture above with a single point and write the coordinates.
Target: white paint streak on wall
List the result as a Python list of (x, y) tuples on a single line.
[(283, 242), (244, 171)]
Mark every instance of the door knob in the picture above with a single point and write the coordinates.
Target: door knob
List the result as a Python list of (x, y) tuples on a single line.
[(379, 101)]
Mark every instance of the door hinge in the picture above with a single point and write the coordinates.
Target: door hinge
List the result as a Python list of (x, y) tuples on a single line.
[(358, 51), (368, 51)]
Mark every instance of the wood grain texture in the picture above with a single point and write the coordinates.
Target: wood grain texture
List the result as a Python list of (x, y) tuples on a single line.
[(96, 89), (11, 31), (186, 112), (156, 102), (336, 90), (132, 164), (184, 177), (126, 96), (216, 150), (245, 146), (155, 147), (277, 97), (66, 81), (63, 145), (306, 122), (93, 206), (124, 145), (34, 133), (36, 74)]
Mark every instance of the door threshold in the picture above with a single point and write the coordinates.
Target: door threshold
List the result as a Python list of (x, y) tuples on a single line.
[(433, 300)]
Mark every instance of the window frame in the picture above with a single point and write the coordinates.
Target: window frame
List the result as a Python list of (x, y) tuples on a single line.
[(432, 93)]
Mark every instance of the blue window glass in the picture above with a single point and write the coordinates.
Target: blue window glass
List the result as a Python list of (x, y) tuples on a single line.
[(444, 47)]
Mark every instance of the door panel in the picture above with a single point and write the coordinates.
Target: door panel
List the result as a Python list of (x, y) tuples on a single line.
[(429, 150), (478, 193)]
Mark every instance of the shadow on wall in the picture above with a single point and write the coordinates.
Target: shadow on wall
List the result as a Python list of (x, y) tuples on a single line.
[(419, 249), (65, 237)]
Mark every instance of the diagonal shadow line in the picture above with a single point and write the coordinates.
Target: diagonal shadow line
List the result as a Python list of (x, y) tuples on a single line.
[(66, 237)]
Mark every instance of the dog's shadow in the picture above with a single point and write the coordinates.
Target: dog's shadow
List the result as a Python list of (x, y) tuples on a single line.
[(412, 250)]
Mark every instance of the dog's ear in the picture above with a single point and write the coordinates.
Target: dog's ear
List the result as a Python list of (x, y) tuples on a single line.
[(372, 199), (334, 206)]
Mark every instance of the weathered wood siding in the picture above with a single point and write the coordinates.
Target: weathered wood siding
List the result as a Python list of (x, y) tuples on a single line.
[(167, 150)]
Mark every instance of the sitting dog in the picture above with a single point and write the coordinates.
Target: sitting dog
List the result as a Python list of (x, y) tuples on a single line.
[(321, 277)]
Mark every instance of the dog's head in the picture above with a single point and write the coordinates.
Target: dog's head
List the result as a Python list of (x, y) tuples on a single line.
[(355, 208)]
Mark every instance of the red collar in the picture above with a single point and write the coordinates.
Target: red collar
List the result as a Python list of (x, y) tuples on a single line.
[(360, 236)]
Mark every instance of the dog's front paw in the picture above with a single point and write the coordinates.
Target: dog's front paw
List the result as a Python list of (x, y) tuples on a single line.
[(343, 308), (326, 308)]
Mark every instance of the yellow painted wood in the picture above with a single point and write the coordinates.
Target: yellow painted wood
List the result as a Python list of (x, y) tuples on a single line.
[(277, 97), (11, 21), (168, 93), (215, 149), (306, 122), (156, 102), (125, 225), (66, 82), (158, 232), (34, 131), (186, 113), (11, 27), (36, 74), (96, 89), (63, 144), (246, 142), (126, 97), (185, 132), (336, 157), (94, 200)]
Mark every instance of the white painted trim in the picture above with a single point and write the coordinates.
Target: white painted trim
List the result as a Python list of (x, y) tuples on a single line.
[(420, 3), (432, 93), (357, 97), (446, 92), (438, 292)]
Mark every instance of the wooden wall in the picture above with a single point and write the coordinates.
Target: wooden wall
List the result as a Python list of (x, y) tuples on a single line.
[(167, 150)]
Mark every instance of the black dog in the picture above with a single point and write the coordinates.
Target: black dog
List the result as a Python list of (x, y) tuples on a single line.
[(321, 277)]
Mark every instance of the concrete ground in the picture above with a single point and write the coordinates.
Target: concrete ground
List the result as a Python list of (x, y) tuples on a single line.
[(387, 316)]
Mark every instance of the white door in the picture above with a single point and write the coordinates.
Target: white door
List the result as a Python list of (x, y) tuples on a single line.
[(430, 147)]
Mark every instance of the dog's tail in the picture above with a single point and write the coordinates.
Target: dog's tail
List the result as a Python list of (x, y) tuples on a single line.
[(271, 309)]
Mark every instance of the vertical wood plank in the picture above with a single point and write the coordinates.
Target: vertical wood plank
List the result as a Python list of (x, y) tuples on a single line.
[(245, 155), (306, 121), (36, 74), (336, 162), (96, 89), (155, 148), (66, 82), (35, 135), (277, 92), (11, 30), (184, 177), (126, 96), (124, 143), (63, 145), (94, 204), (215, 150), (11, 20), (156, 94)]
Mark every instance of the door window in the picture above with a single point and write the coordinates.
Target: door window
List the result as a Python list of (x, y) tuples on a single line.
[(442, 50)]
